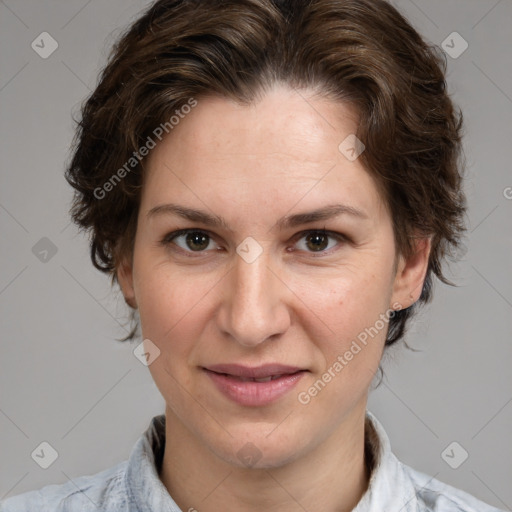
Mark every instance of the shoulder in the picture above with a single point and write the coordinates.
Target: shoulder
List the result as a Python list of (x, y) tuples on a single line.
[(105, 490), (396, 486), (436, 496)]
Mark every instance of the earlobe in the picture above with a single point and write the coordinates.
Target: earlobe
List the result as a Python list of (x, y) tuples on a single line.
[(125, 279), (411, 273)]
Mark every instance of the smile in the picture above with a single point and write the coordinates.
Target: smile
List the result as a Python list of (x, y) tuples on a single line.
[(254, 387)]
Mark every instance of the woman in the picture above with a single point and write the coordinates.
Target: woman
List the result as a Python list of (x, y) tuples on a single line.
[(274, 185)]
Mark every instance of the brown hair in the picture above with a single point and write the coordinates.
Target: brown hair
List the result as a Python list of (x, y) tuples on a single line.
[(359, 51)]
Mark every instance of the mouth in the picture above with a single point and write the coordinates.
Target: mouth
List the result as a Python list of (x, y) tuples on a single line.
[(254, 379), (254, 386), (262, 379), (262, 373)]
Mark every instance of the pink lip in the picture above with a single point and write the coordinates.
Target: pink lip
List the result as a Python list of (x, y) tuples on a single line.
[(227, 379)]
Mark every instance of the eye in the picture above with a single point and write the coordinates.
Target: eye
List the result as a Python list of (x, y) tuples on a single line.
[(190, 240), (319, 240), (198, 241)]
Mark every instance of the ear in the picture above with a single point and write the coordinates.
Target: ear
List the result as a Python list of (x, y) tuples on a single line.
[(410, 274), (125, 278)]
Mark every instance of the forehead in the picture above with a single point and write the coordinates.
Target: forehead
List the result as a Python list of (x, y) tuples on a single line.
[(304, 124), (283, 147)]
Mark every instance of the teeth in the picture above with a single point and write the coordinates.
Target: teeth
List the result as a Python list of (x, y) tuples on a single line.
[(263, 379)]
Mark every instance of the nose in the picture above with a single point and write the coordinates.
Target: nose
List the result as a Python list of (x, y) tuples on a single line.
[(254, 307)]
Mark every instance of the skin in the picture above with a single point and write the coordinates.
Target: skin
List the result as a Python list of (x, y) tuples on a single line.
[(293, 305)]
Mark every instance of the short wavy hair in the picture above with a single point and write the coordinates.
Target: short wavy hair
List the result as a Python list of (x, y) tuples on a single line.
[(363, 52)]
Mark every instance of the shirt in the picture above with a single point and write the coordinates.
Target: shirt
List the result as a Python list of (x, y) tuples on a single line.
[(134, 485)]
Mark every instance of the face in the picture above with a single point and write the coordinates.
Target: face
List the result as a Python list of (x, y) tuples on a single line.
[(263, 292)]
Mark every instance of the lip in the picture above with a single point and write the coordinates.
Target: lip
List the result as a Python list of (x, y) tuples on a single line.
[(227, 378)]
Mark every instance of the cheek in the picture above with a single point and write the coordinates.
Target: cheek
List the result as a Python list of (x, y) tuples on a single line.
[(347, 300), (350, 349), (349, 321), (171, 303), (173, 309)]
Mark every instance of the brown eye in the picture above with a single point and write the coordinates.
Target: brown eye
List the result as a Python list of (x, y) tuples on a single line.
[(319, 241), (197, 241), (189, 240)]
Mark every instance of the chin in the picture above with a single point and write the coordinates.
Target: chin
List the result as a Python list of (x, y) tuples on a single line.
[(256, 449)]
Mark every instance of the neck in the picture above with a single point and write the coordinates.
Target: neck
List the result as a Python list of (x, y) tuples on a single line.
[(331, 477)]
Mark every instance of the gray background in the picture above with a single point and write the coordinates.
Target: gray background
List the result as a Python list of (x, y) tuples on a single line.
[(63, 377)]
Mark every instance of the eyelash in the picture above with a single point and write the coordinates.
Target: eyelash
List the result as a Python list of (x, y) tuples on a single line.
[(169, 238)]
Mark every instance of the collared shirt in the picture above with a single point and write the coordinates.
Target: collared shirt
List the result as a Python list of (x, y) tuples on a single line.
[(134, 485)]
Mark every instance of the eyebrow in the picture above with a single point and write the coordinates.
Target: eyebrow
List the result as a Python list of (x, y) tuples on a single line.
[(288, 221)]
